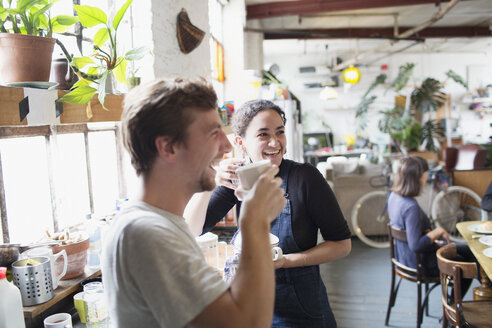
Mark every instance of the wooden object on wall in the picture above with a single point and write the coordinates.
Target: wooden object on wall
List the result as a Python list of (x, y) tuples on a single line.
[(11, 96), (476, 180)]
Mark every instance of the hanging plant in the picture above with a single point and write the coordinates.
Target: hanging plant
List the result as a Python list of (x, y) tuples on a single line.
[(429, 96), (456, 78), (404, 74)]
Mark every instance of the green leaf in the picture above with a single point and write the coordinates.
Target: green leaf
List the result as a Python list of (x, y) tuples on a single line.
[(456, 78), (81, 83), (101, 36), (120, 70), (81, 95), (92, 71), (404, 74), (80, 62), (63, 23), (90, 16), (119, 15), (380, 79), (137, 53)]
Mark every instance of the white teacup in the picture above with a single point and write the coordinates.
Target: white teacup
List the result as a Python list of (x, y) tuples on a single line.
[(48, 252), (58, 320), (250, 173), (277, 252)]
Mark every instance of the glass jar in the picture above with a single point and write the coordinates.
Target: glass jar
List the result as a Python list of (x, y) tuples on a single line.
[(96, 308)]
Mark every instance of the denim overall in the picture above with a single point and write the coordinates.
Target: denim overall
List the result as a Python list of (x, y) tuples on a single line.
[(300, 295)]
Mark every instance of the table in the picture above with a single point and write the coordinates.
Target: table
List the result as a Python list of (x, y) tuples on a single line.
[(485, 290)]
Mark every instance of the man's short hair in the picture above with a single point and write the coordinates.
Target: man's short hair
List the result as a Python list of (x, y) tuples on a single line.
[(243, 116), (162, 107)]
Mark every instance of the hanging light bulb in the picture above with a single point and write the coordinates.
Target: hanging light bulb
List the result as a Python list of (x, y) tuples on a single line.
[(351, 75)]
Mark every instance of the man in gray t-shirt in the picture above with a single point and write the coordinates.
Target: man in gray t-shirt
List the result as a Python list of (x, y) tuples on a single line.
[(154, 273)]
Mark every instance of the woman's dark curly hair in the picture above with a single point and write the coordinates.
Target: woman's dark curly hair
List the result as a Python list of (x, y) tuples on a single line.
[(243, 116)]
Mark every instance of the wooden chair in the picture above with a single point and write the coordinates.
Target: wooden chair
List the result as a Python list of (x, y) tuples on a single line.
[(415, 275), (460, 313)]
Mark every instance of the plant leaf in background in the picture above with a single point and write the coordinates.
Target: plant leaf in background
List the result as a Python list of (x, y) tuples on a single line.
[(61, 23), (120, 70), (432, 133), (429, 96), (101, 36), (80, 95), (90, 16), (119, 15), (404, 74), (380, 79), (364, 106), (137, 53), (456, 78)]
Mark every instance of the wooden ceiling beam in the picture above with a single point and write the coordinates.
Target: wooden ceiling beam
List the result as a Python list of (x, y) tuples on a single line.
[(376, 33), (306, 7)]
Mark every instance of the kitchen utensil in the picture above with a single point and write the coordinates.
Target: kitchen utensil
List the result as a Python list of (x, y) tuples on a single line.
[(33, 280), (48, 252), (10, 253)]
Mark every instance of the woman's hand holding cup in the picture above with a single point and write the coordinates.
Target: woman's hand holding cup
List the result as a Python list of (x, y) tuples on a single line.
[(226, 172), (266, 198)]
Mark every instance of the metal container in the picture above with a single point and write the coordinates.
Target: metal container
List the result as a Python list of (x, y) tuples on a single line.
[(10, 253), (34, 281)]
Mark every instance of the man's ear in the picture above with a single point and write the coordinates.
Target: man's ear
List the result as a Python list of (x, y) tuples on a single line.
[(165, 148)]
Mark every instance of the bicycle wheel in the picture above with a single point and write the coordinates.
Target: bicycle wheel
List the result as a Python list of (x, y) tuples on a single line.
[(453, 205), (370, 220)]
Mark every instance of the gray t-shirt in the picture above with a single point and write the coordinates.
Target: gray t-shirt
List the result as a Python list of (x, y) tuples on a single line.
[(154, 273)]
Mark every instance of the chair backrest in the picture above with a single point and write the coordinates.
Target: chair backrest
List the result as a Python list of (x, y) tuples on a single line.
[(451, 274), (401, 269), (467, 157)]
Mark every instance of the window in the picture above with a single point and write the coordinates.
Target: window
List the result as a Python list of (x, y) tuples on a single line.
[(53, 176)]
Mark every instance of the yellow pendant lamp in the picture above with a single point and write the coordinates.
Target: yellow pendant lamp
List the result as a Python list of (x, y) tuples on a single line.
[(351, 75)]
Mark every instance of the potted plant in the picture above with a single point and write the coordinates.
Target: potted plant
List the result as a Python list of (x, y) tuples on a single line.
[(105, 63), (404, 125), (26, 42)]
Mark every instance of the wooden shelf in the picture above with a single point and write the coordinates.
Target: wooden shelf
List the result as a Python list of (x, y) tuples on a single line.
[(11, 96)]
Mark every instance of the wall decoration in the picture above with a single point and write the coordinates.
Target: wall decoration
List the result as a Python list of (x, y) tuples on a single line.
[(189, 36)]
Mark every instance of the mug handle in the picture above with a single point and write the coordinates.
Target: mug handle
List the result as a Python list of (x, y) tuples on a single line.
[(277, 253), (65, 263)]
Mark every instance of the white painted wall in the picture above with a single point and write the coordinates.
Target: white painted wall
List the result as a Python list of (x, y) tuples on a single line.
[(169, 60), (339, 114)]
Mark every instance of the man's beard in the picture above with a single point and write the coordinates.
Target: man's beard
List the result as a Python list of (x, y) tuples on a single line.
[(207, 184)]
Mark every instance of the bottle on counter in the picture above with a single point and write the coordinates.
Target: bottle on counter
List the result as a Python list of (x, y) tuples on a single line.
[(11, 310), (94, 251), (96, 309)]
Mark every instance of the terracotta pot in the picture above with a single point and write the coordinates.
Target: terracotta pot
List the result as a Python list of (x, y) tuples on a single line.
[(25, 58), (76, 258)]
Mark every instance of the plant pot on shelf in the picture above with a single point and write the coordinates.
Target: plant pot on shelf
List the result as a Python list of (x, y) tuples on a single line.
[(76, 258), (25, 58)]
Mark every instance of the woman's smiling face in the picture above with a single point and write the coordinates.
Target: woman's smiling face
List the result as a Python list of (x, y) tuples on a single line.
[(265, 137)]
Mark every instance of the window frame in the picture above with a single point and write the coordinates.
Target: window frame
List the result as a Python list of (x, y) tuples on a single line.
[(49, 132)]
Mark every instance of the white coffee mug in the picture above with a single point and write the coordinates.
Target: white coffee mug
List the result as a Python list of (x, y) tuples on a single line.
[(250, 173), (58, 320), (48, 252)]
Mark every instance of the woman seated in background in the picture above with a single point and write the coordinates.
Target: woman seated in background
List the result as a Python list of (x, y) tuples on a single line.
[(405, 214), (300, 299)]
